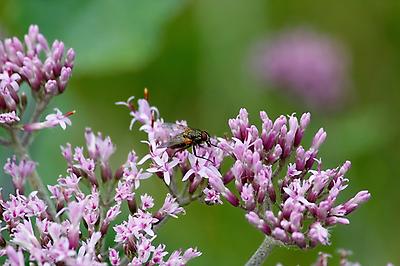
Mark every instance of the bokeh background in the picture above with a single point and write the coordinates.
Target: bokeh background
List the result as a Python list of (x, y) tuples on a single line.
[(195, 57)]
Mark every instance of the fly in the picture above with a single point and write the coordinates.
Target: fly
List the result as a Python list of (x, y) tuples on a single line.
[(187, 137)]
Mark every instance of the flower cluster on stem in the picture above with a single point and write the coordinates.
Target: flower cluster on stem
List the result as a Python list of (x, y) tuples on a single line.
[(281, 185), (265, 171), (86, 218), (45, 69)]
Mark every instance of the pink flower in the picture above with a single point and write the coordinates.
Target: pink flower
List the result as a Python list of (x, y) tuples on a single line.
[(23, 236), (161, 165), (190, 253), (200, 168), (170, 207), (15, 258), (124, 191), (7, 81), (144, 249), (259, 223), (9, 118), (147, 202), (318, 234), (143, 115), (306, 64), (354, 202), (247, 196), (132, 174), (217, 184), (75, 213), (212, 196), (113, 257), (52, 120), (19, 172), (158, 254), (98, 147), (112, 213), (67, 153)]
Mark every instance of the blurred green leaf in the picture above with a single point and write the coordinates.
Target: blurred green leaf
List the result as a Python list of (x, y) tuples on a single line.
[(108, 36)]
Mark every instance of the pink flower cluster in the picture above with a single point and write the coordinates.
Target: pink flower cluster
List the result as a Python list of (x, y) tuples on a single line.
[(19, 172), (306, 64), (45, 69), (344, 255), (62, 240), (298, 206), (280, 184)]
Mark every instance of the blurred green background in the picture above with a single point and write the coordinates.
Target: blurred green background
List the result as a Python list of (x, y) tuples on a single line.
[(194, 58)]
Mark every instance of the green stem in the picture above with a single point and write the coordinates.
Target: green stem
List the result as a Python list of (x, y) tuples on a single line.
[(5, 142), (37, 112), (263, 251)]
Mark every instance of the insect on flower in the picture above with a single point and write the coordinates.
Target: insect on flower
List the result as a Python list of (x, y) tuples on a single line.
[(183, 137)]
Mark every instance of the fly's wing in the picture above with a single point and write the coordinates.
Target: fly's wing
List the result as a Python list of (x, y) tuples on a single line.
[(173, 129), (178, 141), (172, 135)]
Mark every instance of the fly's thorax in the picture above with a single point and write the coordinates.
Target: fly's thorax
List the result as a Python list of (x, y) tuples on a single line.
[(195, 135)]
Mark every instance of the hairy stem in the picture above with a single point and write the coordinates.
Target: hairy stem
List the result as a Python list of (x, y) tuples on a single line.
[(262, 252)]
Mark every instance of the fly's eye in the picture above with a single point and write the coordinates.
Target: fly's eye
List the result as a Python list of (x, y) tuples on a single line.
[(204, 136)]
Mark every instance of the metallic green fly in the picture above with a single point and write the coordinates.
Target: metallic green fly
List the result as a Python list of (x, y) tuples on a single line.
[(184, 137)]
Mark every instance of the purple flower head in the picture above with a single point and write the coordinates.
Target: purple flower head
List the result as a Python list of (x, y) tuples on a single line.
[(23, 236), (158, 254), (216, 184), (200, 168), (144, 249), (15, 258), (36, 63), (322, 259), (124, 191), (191, 253), (86, 165), (98, 147), (131, 173), (176, 257), (247, 196), (75, 213), (9, 118), (67, 153), (19, 172), (164, 166), (293, 201), (212, 196), (309, 65), (114, 257), (8, 82), (147, 202), (318, 234), (170, 207), (112, 213), (144, 114)]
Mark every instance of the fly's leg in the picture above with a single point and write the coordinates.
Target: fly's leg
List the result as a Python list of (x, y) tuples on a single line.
[(194, 152), (181, 149), (211, 144)]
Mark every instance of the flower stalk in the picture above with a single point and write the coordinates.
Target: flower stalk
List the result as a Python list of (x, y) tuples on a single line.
[(262, 252)]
